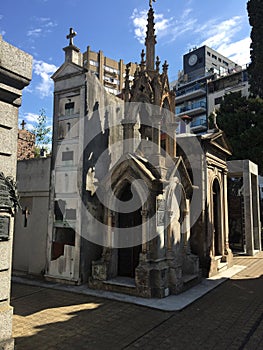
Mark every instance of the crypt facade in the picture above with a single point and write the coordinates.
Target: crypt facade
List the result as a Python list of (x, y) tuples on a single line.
[(120, 214)]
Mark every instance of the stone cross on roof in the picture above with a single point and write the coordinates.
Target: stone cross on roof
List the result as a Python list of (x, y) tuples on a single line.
[(23, 124), (71, 35), (151, 2)]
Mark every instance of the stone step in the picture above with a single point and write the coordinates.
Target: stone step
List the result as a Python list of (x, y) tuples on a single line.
[(190, 281), (189, 278), (122, 281), (222, 266)]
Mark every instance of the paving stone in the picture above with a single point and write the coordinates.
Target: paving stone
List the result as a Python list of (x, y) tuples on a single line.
[(226, 318)]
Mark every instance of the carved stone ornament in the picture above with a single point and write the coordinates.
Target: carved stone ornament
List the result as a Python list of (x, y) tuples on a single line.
[(9, 198)]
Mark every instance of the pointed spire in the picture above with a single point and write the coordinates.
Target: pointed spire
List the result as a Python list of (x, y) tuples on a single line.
[(142, 60), (150, 41), (127, 82), (165, 67), (158, 62)]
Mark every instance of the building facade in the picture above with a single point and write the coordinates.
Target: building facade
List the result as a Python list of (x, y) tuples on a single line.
[(110, 73), (110, 153), (15, 74), (206, 77)]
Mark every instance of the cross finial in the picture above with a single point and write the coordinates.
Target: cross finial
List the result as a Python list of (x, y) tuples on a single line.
[(151, 3), (23, 124), (71, 35)]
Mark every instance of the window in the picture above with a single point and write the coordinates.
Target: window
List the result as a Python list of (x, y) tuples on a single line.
[(94, 63), (218, 100), (208, 53), (199, 121), (214, 56), (111, 70), (69, 108)]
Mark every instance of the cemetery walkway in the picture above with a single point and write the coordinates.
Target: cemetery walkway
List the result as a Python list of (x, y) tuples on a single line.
[(228, 317)]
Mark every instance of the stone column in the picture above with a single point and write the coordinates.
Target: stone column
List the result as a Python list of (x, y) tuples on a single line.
[(225, 211), (250, 249), (169, 231), (186, 229), (171, 133), (108, 240), (144, 214), (128, 137), (157, 135)]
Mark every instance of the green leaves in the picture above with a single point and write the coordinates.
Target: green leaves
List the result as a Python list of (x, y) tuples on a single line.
[(255, 69), (242, 121), (42, 133)]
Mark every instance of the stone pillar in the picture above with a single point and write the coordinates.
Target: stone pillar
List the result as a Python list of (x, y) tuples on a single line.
[(248, 212), (15, 72), (145, 247), (186, 229), (225, 211), (171, 133), (249, 172), (169, 231), (255, 209), (128, 137), (157, 136)]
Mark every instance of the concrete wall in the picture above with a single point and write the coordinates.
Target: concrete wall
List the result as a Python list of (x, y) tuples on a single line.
[(250, 191), (30, 236), (15, 74)]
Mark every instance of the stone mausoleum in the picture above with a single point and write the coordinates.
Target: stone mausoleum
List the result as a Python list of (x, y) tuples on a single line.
[(15, 74), (132, 208)]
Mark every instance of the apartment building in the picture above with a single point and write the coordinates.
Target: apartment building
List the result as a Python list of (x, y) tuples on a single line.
[(111, 73), (206, 77)]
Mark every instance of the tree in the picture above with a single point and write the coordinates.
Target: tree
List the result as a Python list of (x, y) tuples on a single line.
[(42, 133), (255, 69), (241, 119)]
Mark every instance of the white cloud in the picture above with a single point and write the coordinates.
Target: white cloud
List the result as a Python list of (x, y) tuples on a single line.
[(44, 26), (139, 19), (220, 33), (34, 32), (238, 51), (44, 71), (43, 19), (50, 24), (30, 119), (221, 37), (165, 27)]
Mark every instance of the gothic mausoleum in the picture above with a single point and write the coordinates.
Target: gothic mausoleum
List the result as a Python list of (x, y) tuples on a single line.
[(133, 208)]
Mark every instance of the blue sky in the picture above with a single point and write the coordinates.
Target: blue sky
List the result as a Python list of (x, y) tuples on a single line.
[(39, 27)]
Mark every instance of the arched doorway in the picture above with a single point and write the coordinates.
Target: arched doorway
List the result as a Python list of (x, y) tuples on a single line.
[(128, 257), (217, 215)]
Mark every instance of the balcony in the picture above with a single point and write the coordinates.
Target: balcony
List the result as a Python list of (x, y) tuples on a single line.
[(199, 124), (191, 109), (187, 94)]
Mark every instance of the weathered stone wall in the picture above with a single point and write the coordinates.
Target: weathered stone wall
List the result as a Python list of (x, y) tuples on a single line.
[(30, 236), (15, 74), (25, 145)]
